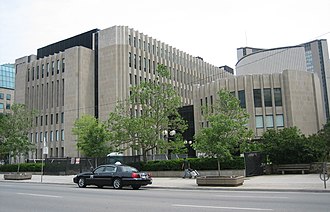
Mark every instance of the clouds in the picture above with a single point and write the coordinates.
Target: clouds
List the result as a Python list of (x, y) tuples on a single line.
[(211, 29)]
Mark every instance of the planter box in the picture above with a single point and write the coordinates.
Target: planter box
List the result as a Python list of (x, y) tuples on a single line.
[(18, 176), (220, 181)]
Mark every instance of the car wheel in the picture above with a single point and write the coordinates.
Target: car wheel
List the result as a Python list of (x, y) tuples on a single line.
[(82, 183), (117, 184), (136, 187)]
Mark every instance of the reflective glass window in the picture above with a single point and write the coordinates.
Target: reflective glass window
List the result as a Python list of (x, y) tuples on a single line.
[(259, 122), (257, 97), (241, 97), (269, 121), (279, 120), (267, 97), (278, 96)]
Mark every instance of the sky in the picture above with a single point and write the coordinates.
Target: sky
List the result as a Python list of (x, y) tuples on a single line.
[(211, 29)]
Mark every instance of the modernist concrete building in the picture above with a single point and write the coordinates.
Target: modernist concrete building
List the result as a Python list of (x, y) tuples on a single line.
[(7, 86), (89, 73), (274, 101), (311, 57)]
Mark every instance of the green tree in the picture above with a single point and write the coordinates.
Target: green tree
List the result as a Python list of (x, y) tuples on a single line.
[(14, 130), (92, 135), (157, 103), (227, 128), (252, 146), (287, 146), (322, 142)]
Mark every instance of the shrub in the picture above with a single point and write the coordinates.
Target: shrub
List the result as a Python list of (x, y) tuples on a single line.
[(24, 167)]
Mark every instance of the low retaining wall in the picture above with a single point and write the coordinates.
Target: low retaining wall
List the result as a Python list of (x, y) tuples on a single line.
[(240, 172)]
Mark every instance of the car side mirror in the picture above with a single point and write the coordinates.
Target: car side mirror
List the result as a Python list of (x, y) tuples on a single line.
[(92, 169)]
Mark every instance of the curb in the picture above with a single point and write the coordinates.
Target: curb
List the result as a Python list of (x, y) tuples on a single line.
[(200, 188), (241, 189)]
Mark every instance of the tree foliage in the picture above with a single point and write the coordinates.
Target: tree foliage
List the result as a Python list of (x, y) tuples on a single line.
[(14, 131), (321, 142), (227, 128), (92, 136), (324, 135), (288, 146), (151, 109)]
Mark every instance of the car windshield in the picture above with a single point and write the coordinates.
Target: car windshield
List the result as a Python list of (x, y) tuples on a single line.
[(128, 169)]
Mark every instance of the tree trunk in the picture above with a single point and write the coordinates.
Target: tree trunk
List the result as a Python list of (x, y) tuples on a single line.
[(218, 159), (95, 162), (144, 156), (18, 164)]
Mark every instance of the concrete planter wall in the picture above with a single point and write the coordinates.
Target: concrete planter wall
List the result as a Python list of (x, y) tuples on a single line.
[(220, 180), (18, 176)]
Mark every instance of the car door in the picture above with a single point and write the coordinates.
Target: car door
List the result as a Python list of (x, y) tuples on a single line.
[(108, 175), (96, 176)]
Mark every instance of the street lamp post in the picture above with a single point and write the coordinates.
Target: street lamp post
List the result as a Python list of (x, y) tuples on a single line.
[(168, 136), (191, 152), (44, 152)]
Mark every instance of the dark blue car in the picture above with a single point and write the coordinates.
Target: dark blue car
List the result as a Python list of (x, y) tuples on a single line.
[(114, 175)]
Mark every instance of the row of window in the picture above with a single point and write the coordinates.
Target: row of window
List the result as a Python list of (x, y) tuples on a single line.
[(150, 65), (40, 137), (193, 63), (8, 96), (7, 106), (268, 121), (267, 97), (46, 95), (145, 66), (146, 46), (39, 153), (36, 73), (152, 48), (40, 120)]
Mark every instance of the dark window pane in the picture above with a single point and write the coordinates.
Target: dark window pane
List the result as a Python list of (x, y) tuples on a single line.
[(241, 97), (268, 97), (257, 97), (278, 96)]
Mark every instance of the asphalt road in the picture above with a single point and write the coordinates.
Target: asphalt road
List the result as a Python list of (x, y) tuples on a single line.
[(19, 197)]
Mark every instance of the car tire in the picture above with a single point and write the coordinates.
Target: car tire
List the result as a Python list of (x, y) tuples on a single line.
[(136, 187), (82, 182), (117, 183)]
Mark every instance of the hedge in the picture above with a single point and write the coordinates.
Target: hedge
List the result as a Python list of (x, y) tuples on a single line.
[(24, 167)]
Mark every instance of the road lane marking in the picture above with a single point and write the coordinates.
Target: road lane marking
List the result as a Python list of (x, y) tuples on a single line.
[(39, 195), (255, 197), (218, 207)]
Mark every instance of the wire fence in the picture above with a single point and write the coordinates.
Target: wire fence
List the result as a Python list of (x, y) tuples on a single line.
[(74, 165)]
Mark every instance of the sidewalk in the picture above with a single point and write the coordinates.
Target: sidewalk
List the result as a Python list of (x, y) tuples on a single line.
[(306, 183)]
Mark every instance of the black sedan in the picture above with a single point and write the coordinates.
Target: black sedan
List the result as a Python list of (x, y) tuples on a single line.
[(113, 175)]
